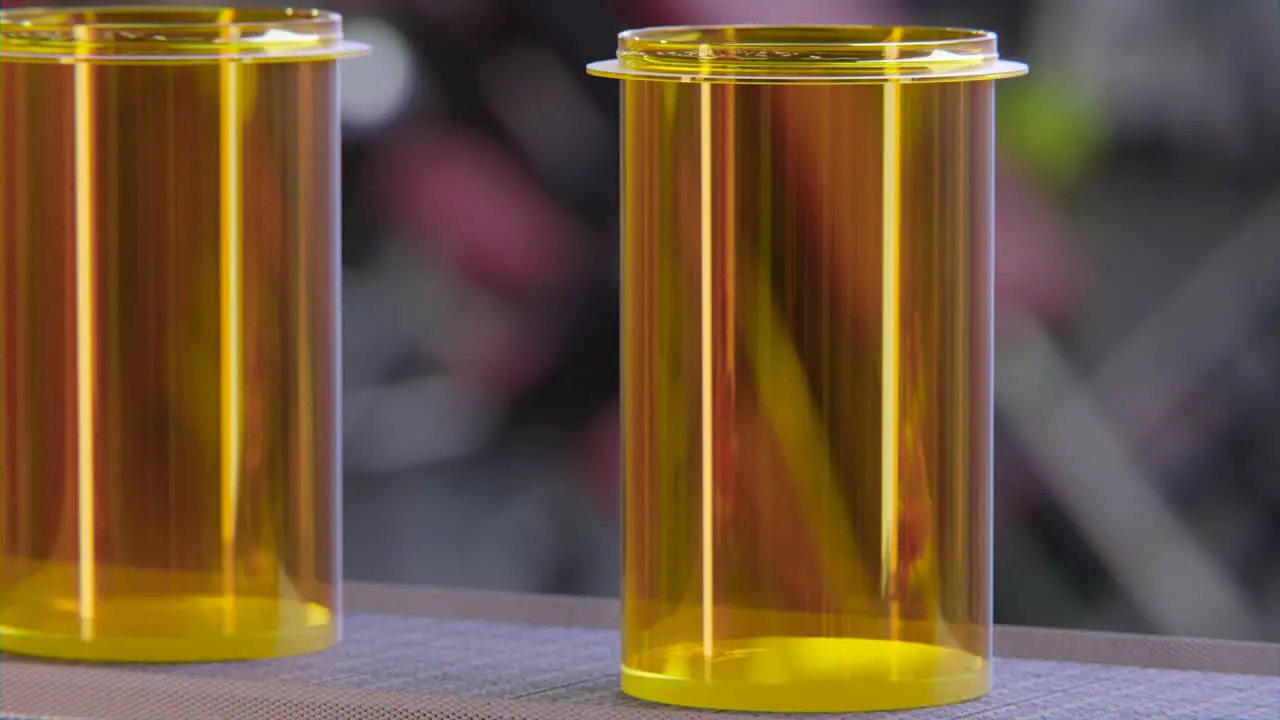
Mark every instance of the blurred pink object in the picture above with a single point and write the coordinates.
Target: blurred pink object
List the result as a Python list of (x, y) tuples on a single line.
[(1037, 271), (503, 350), (469, 205), (480, 211)]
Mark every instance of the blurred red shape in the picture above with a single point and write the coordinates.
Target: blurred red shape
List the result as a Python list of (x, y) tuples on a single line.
[(478, 209)]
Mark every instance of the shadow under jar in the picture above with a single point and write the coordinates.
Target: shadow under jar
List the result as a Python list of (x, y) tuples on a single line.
[(807, 329), (169, 347)]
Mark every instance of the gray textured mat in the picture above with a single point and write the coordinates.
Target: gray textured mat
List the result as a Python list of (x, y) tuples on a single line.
[(568, 672), (457, 657)]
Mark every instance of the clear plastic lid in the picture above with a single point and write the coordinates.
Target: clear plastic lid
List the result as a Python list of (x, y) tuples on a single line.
[(159, 34), (807, 53)]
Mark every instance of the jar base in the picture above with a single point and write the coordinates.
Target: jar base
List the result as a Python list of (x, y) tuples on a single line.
[(193, 628), (802, 675)]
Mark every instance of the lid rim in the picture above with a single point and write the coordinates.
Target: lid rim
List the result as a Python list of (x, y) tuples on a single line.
[(831, 52), (160, 33), (996, 70)]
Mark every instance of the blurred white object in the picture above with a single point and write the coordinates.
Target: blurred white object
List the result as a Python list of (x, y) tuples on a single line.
[(377, 88), (399, 314), (413, 424)]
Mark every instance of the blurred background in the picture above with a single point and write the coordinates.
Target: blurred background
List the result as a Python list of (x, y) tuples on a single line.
[(1138, 373)]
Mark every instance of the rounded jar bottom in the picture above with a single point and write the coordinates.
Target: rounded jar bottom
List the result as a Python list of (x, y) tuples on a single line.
[(194, 628), (799, 675)]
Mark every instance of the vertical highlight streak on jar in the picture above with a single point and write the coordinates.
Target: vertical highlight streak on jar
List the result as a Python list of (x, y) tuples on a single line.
[(707, 383), (889, 348), (304, 447), (86, 346), (890, 340), (232, 333)]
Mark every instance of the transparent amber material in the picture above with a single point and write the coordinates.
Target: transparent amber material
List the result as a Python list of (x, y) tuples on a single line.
[(807, 321), (169, 350)]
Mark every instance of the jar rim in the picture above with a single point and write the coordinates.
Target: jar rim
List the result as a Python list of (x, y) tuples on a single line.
[(146, 33), (807, 53)]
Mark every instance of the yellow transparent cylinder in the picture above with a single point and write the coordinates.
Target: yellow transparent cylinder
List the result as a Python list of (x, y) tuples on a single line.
[(169, 337), (807, 368)]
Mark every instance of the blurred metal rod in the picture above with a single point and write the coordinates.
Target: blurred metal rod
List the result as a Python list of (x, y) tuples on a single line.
[(1173, 581), (1226, 299)]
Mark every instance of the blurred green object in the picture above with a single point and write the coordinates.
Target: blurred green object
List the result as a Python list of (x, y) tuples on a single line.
[(1054, 130)]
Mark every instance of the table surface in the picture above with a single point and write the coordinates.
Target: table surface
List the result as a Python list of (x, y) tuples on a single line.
[(437, 654)]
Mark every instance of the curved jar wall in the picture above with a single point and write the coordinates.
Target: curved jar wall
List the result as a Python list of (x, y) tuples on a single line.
[(807, 374), (169, 350)]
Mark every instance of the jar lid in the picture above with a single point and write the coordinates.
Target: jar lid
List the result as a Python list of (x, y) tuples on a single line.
[(823, 54), (173, 34)]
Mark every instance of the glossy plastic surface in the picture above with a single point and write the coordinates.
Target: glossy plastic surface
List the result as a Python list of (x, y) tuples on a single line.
[(807, 54), (158, 34), (807, 328), (169, 350)]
